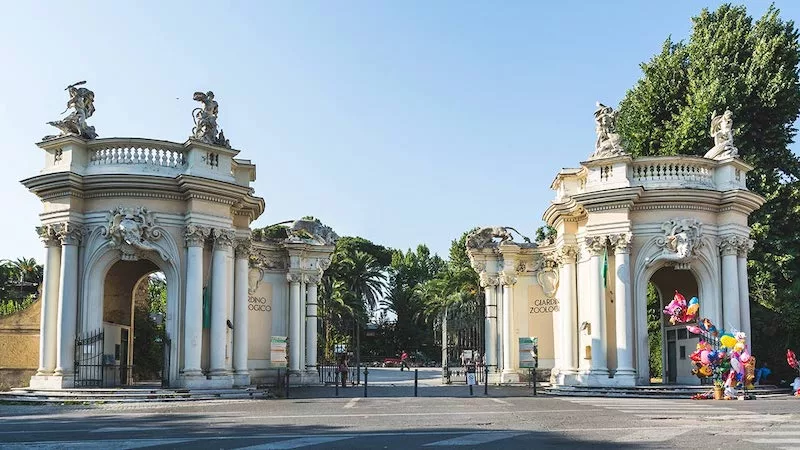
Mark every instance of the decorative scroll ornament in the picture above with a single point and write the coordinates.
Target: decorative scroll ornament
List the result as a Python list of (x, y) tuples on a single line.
[(311, 231), (680, 243), (205, 120), (133, 230), (608, 142), (485, 237), (722, 132), (81, 100)]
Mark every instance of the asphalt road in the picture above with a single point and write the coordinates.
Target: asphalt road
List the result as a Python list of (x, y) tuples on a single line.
[(509, 418)]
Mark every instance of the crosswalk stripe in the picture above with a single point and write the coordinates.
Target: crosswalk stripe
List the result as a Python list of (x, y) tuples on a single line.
[(474, 439), (295, 443), (650, 435), (774, 441)]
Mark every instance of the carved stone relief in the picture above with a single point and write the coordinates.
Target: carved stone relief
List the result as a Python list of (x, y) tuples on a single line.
[(133, 231), (682, 238)]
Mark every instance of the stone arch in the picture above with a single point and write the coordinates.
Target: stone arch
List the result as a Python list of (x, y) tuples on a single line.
[(100, 256), (706, 273)]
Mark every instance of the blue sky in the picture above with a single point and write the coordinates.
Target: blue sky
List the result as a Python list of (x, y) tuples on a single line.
[(402, 122)]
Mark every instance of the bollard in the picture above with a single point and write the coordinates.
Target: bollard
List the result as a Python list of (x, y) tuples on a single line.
[(336, 383), (366, 374), (486, 380), (470, 389), (287, 383), (416, 381), (533, 377)]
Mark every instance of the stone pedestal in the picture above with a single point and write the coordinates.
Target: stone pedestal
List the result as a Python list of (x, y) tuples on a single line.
[(52, 382)]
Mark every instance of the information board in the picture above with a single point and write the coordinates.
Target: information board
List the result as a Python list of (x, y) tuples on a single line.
[(528, 352), (277, 354)]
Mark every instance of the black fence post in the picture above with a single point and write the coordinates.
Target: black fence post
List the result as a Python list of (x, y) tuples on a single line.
[(486, 380), (366, 375), (336, 383), (287, 383), (416, 381), (533, 378)]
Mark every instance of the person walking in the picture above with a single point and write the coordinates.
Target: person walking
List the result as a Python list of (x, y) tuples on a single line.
[(404, 361), (343, 370)]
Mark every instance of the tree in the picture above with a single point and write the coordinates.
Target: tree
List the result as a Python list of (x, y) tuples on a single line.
[(751, 68)]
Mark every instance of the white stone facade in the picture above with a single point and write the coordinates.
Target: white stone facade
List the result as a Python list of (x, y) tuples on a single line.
[(679, 222), (142, 206)]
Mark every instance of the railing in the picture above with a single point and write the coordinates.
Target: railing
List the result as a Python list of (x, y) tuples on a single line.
[(136, 151), (678, 171), (329, 374)]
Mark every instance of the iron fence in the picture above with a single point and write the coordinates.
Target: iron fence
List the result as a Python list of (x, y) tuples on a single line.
[(89, 364), (329, 374), (458, 374)]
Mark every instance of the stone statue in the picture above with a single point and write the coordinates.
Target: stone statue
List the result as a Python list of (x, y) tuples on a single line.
[(205, 120), (81, 100), (722, 132), (133, 230), (484, 237), (608, 142), (681, 240), (313, 231)]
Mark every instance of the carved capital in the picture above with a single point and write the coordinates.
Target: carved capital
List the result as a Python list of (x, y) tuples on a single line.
[(729, 245), (568, 254), (508, 279), (223, 239), (243, 248), (196, 235), (294, 277), (745, 247), (70, 234), (595, 245), (621, 242), (478, 265), (487, 279), (49, 235), (312, 278), (323, 263)]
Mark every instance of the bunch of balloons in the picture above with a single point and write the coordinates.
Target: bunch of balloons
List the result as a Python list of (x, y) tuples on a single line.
[(730, 365), (791, 359), (679, 311)]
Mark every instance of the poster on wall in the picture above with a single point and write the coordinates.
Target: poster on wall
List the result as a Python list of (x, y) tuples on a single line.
[(528, 352), (277, 353)]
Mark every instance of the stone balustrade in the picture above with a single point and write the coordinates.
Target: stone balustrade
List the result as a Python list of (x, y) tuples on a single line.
[(136, 151), (136, 156), (663, 172)]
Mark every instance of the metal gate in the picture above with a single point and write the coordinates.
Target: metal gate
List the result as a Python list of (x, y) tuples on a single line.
[(89, 370), (165, 367), (465, 341)]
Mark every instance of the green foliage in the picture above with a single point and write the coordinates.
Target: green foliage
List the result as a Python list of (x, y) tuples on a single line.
[(654, 333), (274, 232), (750, 67), (149, 336), (545, 235), (19, 283), (8, 307)]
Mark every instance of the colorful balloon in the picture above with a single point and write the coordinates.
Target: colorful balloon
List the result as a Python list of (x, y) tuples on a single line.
[(727, 340), (694, 329)]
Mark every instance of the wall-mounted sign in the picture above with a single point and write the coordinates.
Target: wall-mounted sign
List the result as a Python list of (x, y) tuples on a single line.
[(543, 306), (528, 352), (277, 353), (258, 304)]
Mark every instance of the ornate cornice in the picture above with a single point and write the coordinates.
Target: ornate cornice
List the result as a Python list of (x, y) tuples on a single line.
[(196, 235)]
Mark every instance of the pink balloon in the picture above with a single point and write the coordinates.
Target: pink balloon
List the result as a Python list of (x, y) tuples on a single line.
[(736, 365), (694, 329), (704, 357), (744, 357)]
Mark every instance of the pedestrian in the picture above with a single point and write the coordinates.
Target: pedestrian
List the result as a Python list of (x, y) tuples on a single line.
[(343, 369), (404, 361), (762, 373)]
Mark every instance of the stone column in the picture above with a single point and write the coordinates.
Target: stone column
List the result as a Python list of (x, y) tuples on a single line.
[(294, 321), (508, 280), (70, 236), (625, 373), (567, 307), (596, 245), (744, 288), (48, 335), (489, 284), (311, 322), (223, 240), (731, 316), (193, 313), (303, 342), (241, 374)]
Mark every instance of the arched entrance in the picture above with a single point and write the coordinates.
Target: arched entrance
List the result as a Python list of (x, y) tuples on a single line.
[(669, 344)]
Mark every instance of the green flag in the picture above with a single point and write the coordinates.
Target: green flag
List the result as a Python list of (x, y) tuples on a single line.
[(604, 267), (206, 307)]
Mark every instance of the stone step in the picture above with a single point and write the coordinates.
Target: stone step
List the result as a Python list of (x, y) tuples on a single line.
[(23, 395)]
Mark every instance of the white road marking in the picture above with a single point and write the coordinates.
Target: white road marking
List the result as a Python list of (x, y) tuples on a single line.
[(774, 441), (448, 413), (121, 444), (121, 429), (352, 402), (475, 439), (502, 402), (294, 443), (650, 435)]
